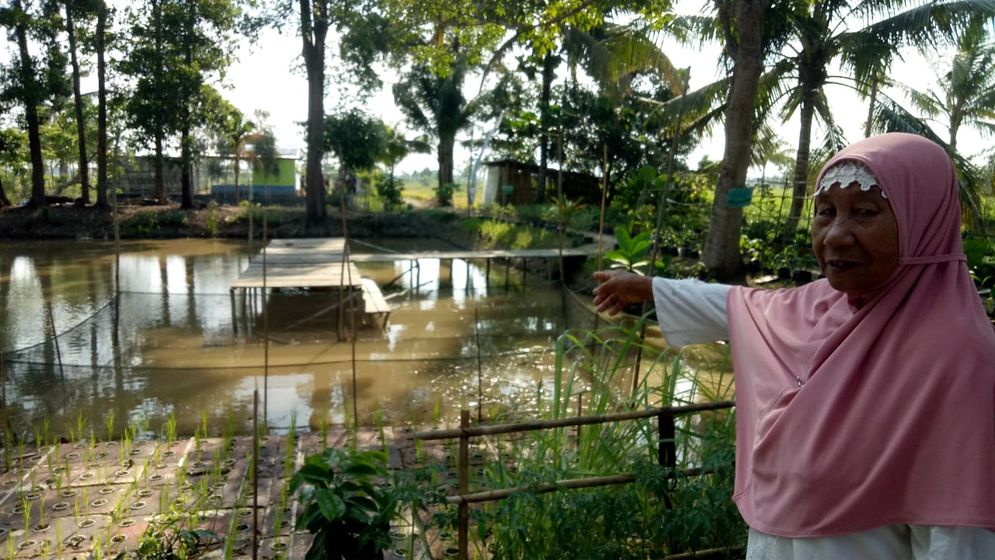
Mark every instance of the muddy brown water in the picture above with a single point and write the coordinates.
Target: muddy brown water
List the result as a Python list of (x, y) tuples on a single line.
[(166, 345)]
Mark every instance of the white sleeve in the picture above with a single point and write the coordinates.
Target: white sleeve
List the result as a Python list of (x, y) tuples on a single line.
[(691, 311)]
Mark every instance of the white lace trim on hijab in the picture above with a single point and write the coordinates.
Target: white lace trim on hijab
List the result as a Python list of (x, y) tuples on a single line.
[(846, 173)]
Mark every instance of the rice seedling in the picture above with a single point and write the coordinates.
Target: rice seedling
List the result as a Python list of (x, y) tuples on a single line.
[(169, 428), (109, 424), (26, 513)]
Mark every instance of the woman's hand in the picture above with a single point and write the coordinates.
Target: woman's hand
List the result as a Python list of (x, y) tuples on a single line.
[(617, 288)]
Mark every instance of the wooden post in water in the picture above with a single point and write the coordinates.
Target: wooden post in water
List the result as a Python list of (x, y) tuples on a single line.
[(463, 467), (487, 274), (234, 321)]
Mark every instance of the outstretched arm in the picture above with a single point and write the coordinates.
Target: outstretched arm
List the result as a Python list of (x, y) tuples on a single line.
[(688, 311), (617, 288)]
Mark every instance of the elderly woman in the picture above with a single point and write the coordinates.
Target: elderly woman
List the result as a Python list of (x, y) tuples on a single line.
[(865, 400)]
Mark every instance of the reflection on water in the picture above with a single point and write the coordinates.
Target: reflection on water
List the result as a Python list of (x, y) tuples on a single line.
[(167, 345)]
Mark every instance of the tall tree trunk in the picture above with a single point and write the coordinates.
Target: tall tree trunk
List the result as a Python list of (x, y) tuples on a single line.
[(160, 134), (744, 27), (84, 171), (4, 201), (955, 121), (799, 182), (445, 157), (237, 148), (548, 67), (186, 155), (870, 105), (101, 106), (186, 184), (314, 28), (30, 97)]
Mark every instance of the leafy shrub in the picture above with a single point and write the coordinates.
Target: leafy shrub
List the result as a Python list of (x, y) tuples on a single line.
[(212, 219), (344, 506), (389, 189), (980, 255), (444, 194), (143, 223), (173, 218)]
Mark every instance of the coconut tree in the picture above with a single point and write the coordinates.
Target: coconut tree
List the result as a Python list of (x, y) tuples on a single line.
[(236, 130), (965, 94), (436, 104), (821, 38)]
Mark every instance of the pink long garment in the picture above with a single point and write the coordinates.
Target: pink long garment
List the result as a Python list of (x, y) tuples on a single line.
[(895, 420)]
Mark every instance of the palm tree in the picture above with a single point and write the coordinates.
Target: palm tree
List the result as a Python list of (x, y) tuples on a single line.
[(436, 104), (821, 37), (966, 93), (237, 131), (397, 147)]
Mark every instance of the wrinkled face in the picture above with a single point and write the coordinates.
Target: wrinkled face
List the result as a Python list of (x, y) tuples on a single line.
[(855, 238)]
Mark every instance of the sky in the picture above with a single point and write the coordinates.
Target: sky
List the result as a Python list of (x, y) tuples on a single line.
[(267, 75)]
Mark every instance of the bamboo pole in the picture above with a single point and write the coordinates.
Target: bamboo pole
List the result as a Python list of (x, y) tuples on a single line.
[(265, 326), (464, 485), (562, 202), (480, 373), (255, 477), (661, 215), (55, 336), (3, 407), (496, 429), (548, 487), (500, 494)]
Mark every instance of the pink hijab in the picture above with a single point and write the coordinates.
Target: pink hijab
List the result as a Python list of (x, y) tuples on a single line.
[(894, 422)]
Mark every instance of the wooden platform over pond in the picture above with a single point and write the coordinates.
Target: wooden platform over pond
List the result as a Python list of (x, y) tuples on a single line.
[(300, 263), (311, 264)]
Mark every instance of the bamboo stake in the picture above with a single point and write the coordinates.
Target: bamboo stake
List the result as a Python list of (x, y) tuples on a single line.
[(255, 477), (265, 325), (601, 220), (117, 244), (3, 405), (661, 214), (352, 307), (464, 485), (559, 197), (480, 374), (55, 336)]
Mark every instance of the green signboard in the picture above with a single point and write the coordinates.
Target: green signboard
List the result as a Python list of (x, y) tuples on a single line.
[(739, 197)]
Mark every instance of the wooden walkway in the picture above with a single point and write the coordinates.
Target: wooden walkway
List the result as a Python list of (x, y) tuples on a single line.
[(468, 255)]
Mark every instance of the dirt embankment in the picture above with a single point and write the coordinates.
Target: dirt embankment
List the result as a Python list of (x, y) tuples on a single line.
[(165, 222)]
